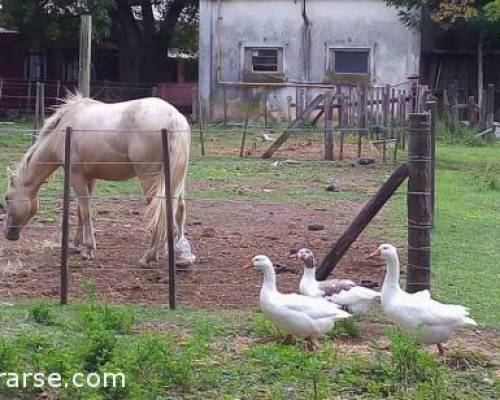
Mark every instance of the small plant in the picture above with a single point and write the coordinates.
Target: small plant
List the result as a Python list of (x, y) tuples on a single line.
[(90, 290), (42, 313), (346, 327), (107, 317), (98, 349)]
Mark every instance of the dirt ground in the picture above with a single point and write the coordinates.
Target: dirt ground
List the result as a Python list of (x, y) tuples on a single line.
[(224, 235)]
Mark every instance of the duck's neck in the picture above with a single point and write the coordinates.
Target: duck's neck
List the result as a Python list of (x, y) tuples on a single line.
[(391, 282), (309, 274), (269, 283)]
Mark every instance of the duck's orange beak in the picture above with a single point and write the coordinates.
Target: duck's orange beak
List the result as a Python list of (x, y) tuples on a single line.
[(375, 255), (248, 266)]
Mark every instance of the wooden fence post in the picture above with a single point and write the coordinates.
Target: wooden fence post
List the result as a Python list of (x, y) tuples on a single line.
[(36, 122), (342, 123), (245, 124), (65, 218), (362, 119), (201, 127), (419, 203), (329, 141), (172, 269), (368, 212), (85, 55), (490, 112)]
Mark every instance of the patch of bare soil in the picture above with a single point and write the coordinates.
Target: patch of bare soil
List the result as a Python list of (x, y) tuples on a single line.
[(225, 235)]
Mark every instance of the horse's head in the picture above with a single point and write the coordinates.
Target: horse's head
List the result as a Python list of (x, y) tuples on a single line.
[(21, 204)]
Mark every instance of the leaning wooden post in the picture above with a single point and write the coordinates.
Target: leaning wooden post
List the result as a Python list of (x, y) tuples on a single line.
[(85, 55), (329, 141), (172, 269), (419, 203), (490, 112), (65, 218), (362, 220)]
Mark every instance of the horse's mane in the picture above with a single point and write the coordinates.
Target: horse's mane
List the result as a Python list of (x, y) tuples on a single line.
[(71, 99), (49, 126)]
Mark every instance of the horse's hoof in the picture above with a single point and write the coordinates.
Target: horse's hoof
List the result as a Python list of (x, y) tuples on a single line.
[(74, 250), (86, 254), (184, 261)]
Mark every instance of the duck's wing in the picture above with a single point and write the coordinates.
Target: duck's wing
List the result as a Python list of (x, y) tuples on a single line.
[(353, 295), (431, 312), (422, 295), (313, 307), (332, 286)]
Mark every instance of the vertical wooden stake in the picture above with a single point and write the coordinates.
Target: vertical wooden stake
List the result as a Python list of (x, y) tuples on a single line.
[(58, 90), (342, 104), (225, 106), (490, 112), (172, 269), (419, 203), (28, 101), (36, 123), (42, 104), (433, 108), (65, 218), (265, 108), (329, 141), (245, 125), (362, 119), (85, 55), (200, 126)]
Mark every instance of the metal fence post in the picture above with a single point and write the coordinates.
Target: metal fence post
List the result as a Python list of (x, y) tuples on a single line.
[(65, 217), (419, 203), (172, 298)]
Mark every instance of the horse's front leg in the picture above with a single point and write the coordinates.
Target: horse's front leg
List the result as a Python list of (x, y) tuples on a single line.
[(82, 190), (78, 240), (151, 253)]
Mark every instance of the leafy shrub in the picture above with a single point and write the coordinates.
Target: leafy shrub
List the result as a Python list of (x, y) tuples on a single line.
[(107, 317), (98, 349), (42, 313), (345, 327)]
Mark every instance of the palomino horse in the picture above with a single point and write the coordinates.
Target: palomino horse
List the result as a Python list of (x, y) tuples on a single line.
[(112, 142)]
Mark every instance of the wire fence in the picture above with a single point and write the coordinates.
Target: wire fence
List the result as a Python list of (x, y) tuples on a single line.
[(237, 207)]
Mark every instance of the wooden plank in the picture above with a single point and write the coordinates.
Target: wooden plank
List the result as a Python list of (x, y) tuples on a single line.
[(85, 55), (329, 141), (361, 221), (294, 125), (419, 203)]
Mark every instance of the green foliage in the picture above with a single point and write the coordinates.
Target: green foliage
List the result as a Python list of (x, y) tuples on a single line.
[(107, 317), (347, 328), (42, 313)]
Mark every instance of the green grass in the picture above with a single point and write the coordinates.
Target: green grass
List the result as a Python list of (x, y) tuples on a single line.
[(465, 250), (220, 354)]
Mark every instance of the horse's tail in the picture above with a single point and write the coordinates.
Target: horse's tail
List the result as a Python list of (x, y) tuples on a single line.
[(156, 211)]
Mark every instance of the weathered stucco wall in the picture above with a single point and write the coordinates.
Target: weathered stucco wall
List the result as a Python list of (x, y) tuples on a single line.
[(228, 26)]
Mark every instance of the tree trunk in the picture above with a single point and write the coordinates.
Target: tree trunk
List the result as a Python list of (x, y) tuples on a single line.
[(480, 73)]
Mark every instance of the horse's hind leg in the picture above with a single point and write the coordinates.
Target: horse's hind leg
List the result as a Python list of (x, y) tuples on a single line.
[(184, 256)]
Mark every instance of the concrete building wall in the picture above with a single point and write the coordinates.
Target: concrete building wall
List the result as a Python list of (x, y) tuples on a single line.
[(228, 26)]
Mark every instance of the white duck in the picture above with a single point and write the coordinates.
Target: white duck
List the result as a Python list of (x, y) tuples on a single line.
[(430, 321), (356, 299), (294, 314)]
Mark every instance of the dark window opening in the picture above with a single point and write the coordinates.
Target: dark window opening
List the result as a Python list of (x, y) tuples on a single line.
[(351, 61), (265, 60)]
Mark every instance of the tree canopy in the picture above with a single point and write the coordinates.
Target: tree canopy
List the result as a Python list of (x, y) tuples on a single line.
[(142, 29)]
